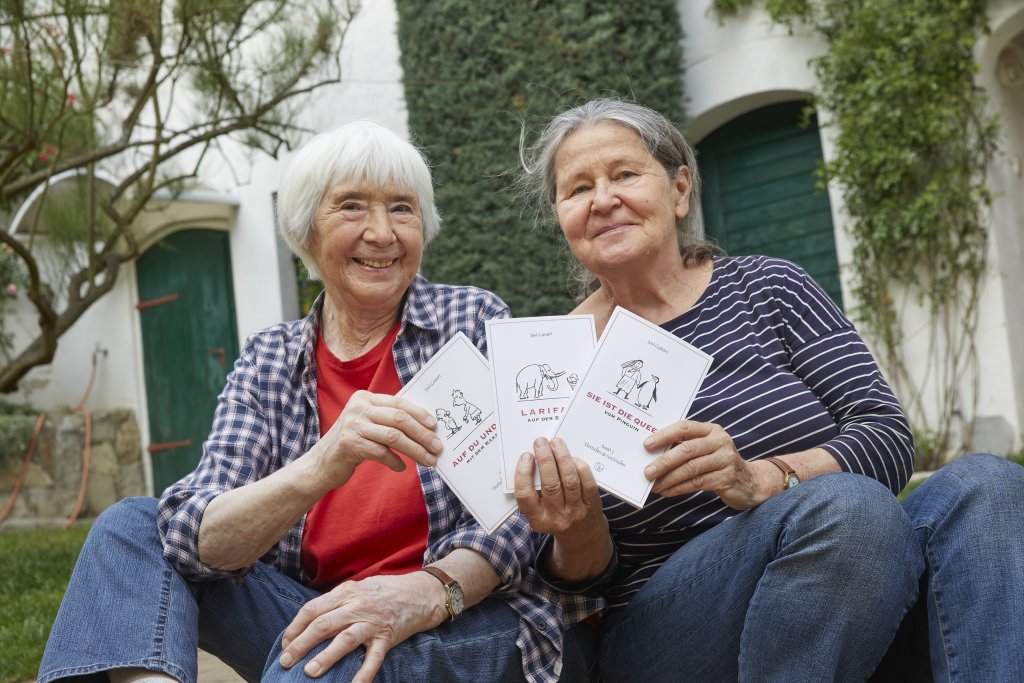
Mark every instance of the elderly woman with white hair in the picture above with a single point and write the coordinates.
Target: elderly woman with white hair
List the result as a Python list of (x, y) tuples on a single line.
[(315, 538)]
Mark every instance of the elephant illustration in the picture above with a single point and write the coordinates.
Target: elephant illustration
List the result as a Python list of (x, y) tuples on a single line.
[(532, 378)]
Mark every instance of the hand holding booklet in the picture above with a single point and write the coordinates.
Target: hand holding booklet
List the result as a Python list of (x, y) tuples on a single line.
[(641, 378), (536, 364), (455, 385)]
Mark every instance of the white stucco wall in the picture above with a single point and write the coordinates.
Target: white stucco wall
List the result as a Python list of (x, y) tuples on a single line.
[(748, 62)]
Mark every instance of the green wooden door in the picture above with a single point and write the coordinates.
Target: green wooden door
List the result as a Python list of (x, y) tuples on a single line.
[(760, 193), (189, 343)]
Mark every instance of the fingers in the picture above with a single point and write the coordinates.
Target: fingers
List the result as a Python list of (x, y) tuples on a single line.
[(342, 645), (550, 481), (526, 496), (676, 432), (691, 475), (571, 487), (372, 661), (589, 492), (696, 439), (317, 620), (374, 425)]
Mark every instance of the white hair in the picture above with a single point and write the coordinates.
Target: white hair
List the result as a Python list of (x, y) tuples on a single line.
[(358, 151)]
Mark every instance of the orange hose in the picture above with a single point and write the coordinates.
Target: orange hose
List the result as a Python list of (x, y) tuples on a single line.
[(86, 457), (24, 468)]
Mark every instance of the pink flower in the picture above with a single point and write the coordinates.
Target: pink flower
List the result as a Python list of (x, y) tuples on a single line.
[(12, 288), (70, 99)]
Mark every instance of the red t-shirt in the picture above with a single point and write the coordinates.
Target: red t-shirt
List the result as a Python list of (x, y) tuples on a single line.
[(375, 523)]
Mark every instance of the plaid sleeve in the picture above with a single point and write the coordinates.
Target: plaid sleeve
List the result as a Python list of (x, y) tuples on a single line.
[(237, 452)]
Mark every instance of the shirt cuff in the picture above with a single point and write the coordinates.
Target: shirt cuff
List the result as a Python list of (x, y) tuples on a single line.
[(575, 587)]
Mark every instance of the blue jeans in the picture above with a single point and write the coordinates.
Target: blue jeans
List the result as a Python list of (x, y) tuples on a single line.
[(126, 607), (968, 518), (811, 585)]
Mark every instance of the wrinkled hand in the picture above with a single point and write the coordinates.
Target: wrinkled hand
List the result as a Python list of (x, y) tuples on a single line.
[(568, 500), (703, 457), (372, 427), (378, 613)]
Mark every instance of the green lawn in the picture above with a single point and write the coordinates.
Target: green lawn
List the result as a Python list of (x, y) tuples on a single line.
[(34, 571)]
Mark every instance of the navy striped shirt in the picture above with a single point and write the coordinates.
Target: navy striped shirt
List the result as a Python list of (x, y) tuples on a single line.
[(790, 373)]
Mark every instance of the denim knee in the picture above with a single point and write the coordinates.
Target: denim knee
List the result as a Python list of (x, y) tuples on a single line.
[(978, 478), (127, 521), (863, 506)]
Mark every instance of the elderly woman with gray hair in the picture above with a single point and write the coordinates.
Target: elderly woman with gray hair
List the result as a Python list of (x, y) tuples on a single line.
[(315, 538), (773, 547)]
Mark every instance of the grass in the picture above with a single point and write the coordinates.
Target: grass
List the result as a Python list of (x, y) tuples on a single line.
[(34, 570)]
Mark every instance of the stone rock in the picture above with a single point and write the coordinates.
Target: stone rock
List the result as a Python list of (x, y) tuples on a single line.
[(119, 415), (131, 480), (37, 476), (100, 494), (127, 442), (21, 506), (67, 466), (50, 503), (9, 476), (102, 428), (103, 460)]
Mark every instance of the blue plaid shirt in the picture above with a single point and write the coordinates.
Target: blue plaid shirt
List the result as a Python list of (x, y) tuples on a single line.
[(267, 417)]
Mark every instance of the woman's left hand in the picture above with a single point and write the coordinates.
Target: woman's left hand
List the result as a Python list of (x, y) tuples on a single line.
[(703, 457), (378, 612)]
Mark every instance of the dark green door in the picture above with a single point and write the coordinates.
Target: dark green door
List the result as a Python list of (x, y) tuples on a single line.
[(189, 343), (760, 193)]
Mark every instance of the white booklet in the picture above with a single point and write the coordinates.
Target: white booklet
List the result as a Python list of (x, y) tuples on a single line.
[(536, 364), (455, 385), (641, 378)]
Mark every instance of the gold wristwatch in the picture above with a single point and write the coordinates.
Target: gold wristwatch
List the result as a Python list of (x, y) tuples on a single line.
[(455, 600), (789, 475)]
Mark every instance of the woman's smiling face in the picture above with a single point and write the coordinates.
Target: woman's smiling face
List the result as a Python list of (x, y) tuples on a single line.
[(367, 242), (616, 204)]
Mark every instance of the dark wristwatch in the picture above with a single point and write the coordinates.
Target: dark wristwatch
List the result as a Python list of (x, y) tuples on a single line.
[(789, 475), (455, 600)]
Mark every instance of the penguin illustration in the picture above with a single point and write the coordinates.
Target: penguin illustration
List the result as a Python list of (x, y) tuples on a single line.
[(648, 391)]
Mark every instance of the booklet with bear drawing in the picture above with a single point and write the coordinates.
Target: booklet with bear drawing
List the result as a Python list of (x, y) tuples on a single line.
[(536, 364), (641, 378), (455, 385)]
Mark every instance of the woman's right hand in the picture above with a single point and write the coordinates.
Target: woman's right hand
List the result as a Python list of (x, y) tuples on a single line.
[(373, 426), (567, 506)]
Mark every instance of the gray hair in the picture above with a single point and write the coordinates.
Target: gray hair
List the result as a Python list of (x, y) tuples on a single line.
[(360, 150), (662, 139)]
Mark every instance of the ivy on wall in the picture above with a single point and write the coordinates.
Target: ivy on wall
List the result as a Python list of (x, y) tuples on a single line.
[(913, 145), (474, 72)]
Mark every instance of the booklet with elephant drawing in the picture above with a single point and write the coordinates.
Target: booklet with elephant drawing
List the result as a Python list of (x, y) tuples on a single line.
[(641, 378), (536, 364), (455, 386)]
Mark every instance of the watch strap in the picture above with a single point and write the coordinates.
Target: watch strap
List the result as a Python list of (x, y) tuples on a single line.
[(450, 587), (787, 470)]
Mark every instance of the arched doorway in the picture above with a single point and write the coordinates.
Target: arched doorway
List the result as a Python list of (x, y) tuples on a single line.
[(760, 194), (189, 340)]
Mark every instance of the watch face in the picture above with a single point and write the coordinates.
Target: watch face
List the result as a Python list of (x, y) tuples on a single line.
[(792, 480), (457, 600)]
